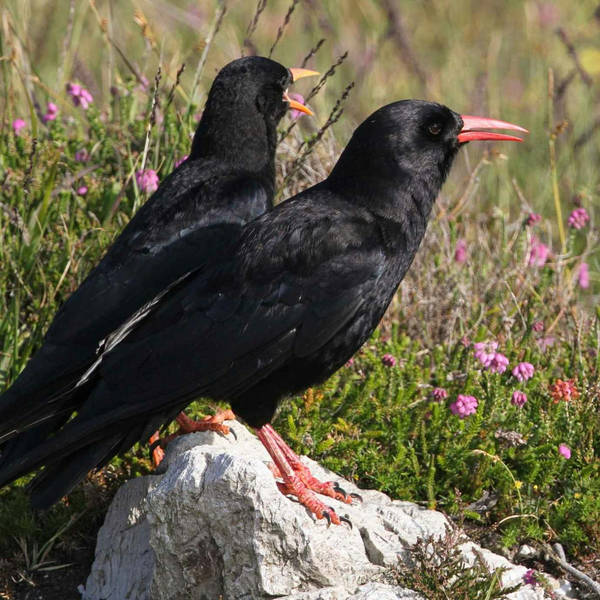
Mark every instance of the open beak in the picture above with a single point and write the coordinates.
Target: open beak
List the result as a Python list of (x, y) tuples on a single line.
[(300, 73), (294, 104), (472, 127)]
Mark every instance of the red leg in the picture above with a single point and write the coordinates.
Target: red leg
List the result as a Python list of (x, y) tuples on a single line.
[(187, 425), (292, 482), (328, 488)]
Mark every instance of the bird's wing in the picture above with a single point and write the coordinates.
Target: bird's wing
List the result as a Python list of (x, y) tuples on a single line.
[(171, 235), (226, 330)]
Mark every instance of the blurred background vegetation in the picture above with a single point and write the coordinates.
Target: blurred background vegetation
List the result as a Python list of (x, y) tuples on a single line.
[(534, 63)]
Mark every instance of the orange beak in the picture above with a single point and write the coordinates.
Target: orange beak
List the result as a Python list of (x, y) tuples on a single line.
[(298, 73)]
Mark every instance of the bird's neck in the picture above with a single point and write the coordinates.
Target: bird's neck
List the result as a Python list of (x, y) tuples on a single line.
[(246, 141)]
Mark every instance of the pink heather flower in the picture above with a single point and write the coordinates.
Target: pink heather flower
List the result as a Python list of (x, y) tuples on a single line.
[(464, 406), (460, 251), (82, 190), (51, 112), (583, 276), (578, 218), (82, 155), (182, 159), (350, 362), (499, 363), (532, 219), (530, 577), (484, 352), (538, 253), (293, 112), (546, 342), (389, 360), (564, 390), (538, 326), (564, 450), (17, 125), (147, 180), (79, 95), (523, 371), (518, 398), (439, 394)]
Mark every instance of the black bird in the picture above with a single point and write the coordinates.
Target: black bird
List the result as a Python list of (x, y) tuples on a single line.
[(228, 180), (301, 291)]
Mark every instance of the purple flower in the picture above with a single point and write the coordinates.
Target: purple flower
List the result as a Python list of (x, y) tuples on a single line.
[(82, 155), (578, 218), (298, 98), (82, 190), (532, 219), (538, 326), (538, 253), (147, 180), (51, 112), (389, 360), (79, 95), (464, 406), (485, 351), (564, 450), (460, 251), (546, 342), (583, 276), (499, 363), (530, 577), (182, 159), (350, 362), (439, 394), (523, 371), (17, 125), (518, 398)]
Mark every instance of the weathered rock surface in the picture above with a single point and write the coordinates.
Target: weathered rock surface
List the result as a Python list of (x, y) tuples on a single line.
[(214, 525)]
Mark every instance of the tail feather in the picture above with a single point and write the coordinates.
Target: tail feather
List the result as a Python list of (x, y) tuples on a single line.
[(59, 478)]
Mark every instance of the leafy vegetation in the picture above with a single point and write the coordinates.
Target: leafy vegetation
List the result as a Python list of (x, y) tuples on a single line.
[(506, 260)]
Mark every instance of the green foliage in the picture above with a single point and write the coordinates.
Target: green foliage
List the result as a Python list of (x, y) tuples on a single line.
[(375, 424)]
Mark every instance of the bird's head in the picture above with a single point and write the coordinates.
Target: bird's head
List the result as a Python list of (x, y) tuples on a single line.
[(412, 143), (247, 100)]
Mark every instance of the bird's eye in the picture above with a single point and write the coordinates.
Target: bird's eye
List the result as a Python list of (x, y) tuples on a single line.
[(434, 128)]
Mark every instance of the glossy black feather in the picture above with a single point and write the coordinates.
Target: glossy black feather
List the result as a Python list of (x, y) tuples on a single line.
[(196, 213), (300, 292)]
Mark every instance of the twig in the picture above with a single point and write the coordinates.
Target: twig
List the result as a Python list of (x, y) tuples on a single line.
[(214, 29), (252, 27), (557, 554), (312, 52), (282, 27), (553, 168), (397, 32), (174, 87), (152, 118), (564, 38)]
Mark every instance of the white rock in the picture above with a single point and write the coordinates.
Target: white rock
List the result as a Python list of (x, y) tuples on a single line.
[(215, 525)]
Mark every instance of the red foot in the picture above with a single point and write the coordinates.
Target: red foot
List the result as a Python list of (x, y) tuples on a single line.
[(298, 480), (187, 425)]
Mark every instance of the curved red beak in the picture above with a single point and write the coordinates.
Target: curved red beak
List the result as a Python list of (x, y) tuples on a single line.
[(472, 127)]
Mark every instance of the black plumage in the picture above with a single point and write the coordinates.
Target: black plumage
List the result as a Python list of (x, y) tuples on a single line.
[(295, 297), (197, 211)]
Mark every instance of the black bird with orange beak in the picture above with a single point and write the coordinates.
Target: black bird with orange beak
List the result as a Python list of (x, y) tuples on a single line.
[(228, 180), (296, 296)]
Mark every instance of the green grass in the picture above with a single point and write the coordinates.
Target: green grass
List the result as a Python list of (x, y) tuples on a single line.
[(375, 424)]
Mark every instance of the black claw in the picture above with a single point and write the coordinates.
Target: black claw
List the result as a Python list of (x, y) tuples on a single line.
[(346, 520), (356, 497), (234, 433), (328, 517), (339, 489)]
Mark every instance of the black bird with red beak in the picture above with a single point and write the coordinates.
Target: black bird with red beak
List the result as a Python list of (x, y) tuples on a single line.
[(228, 180), (301, 291)]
